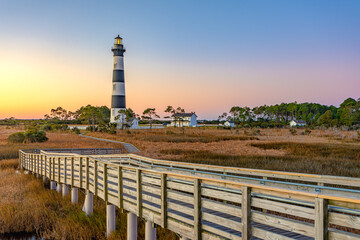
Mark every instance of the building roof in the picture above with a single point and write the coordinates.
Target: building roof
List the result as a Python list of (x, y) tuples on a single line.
[(183, 114), (299, 121)]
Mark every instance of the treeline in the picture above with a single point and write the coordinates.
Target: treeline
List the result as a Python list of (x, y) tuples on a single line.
[(314, 114)]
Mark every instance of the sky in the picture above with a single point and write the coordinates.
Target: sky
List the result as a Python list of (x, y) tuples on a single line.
[(205, 56)]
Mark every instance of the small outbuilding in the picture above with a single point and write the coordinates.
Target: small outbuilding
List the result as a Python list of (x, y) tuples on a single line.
[(297, 123), (184, 120), (229, 123)]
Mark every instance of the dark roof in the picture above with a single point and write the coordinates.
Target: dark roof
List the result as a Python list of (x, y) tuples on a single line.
[(183, 114), (299, 121)]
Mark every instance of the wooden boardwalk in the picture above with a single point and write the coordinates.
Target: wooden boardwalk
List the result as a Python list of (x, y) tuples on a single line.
[(209, 202)]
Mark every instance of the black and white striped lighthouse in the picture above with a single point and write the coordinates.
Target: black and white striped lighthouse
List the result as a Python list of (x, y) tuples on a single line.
[(118, 89)]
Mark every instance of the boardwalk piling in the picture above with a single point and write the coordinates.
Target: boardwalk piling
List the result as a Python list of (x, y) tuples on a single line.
[(58, 187), (52, 185), (131, 226), (74, 195), (150, 231), (110, 219), (89, 201), (65, 190)]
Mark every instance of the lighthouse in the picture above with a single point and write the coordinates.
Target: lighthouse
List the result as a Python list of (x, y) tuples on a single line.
[(118, 83)]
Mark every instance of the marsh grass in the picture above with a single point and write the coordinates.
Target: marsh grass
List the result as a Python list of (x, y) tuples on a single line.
[(323, 150), (27, 207), (195, 138), (289, 163)]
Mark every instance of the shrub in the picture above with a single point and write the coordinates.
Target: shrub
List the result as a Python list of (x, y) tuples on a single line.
[(292, 131), (30, 136), (18, 137), (307, 131), (76, 130), (34, 135)]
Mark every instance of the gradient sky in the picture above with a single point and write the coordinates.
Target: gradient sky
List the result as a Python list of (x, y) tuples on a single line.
[(204, 56)]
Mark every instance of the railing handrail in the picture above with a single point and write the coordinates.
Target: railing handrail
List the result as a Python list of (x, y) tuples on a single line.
[(56, 167)]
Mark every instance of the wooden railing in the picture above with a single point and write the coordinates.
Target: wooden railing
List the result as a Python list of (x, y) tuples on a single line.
[(203, 205)]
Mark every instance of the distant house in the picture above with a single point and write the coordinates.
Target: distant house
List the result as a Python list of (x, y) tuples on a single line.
[(184, 120), (297, 123), (229, 123), (134, 123)]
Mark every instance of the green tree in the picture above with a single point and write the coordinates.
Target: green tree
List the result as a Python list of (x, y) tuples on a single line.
[(149, 114), (125, 116), (326, 119), (90, 114), (172, 113)]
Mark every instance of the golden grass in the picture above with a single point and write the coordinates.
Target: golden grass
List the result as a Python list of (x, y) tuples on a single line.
[(26, 206)]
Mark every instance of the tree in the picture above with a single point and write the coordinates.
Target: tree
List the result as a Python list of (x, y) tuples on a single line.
[(326, 119), (90, 114), (172, 111), (149, 114), (125, 116)]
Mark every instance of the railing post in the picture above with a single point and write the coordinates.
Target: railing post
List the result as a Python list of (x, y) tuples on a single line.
[(105, 183), (139, 192), (164, 200), (87, 173), (246, 213), (120, 188), (321, 219), (50, 167), (72, 171), (65, 170), (95, 178), (80, 173), (58, 171), (53, 163), (197, 209)]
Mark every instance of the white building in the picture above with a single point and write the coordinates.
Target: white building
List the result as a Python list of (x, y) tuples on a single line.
[(134, 123), (229, 123), (297, 123), (184, 120)]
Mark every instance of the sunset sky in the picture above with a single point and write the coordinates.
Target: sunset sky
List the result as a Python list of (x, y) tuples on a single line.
[(204, 56)]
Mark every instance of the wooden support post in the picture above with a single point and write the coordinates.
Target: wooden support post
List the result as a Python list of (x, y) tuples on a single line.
[(72, 172), (105, 183), (37, 164), (246, 213), (54, 169), (321, 219), (95, 178), (120, 188), (50, 167), (65, 169), (197, 209), (87, 173), (164, 200), (80, 173), (42, 164), (139, 193), (58, 171)]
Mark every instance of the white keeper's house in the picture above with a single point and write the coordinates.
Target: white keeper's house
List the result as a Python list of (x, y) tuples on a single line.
[(297, 123), (184, 120)]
